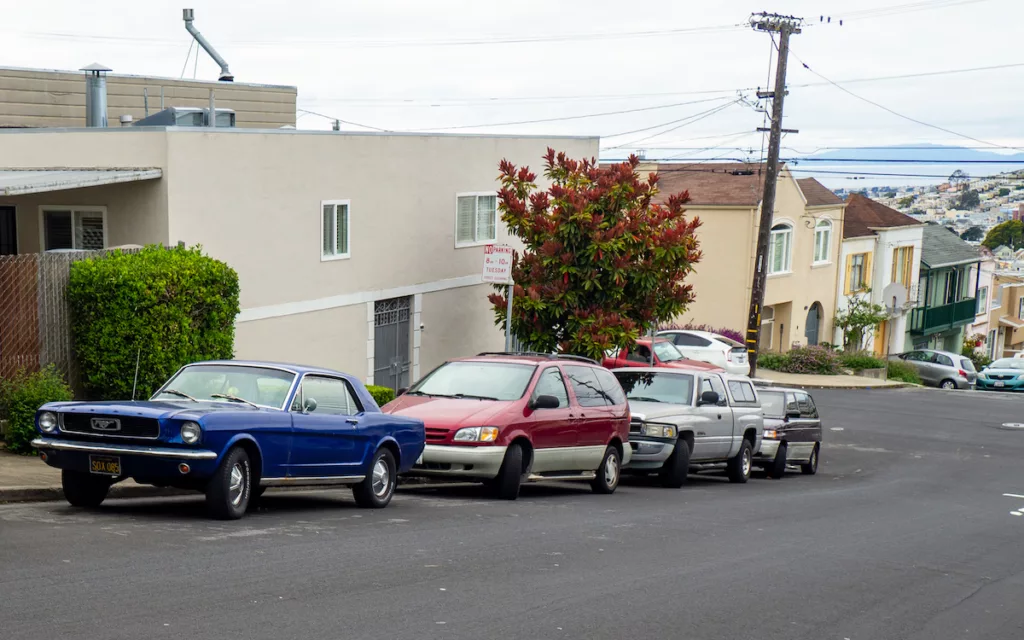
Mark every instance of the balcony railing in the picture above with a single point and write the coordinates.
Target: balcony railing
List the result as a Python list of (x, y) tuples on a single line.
[(927, 320)]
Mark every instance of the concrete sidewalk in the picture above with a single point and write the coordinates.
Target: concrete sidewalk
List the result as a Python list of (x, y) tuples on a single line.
[(806, 381)]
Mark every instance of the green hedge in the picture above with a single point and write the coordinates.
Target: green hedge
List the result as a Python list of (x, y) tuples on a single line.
[(773, 361), (903, 372), (166, 306), (382, 395), (20, 398), (860, 360)]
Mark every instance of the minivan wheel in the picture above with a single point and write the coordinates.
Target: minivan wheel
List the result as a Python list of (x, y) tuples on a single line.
[(810, 467), (230, 489), (608, 473), (673, 473), (948, 384), (739, 465), (510, 477), (777, 467), (84, 489)]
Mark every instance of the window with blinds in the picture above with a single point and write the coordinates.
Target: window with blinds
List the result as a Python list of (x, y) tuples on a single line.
[(780, 249), (73, 228), (475, 219), (334, 230), (903, 265), (858, 272), (822, 241)]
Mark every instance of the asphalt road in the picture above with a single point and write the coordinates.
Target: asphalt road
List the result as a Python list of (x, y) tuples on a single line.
[(904, 533)]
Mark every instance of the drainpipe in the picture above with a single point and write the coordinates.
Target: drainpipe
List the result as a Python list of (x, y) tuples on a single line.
[(225, 74)]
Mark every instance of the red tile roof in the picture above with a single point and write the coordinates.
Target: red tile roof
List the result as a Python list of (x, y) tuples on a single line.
[(817, 194), (720, 183), (863, 214)]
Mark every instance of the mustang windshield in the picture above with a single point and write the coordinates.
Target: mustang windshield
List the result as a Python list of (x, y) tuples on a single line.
[(216, 382), (477, 381), (671, 388)]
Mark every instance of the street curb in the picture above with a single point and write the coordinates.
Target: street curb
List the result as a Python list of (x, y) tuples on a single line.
[(763, 382)]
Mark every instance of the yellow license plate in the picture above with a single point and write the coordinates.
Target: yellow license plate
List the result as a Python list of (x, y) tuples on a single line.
[(107, 465)]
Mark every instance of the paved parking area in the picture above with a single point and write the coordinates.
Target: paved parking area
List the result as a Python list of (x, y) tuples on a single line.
[(911, 529)]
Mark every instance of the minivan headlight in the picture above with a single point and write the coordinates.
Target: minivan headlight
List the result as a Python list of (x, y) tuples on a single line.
[(48, 421), (190, 433), (476, 434)]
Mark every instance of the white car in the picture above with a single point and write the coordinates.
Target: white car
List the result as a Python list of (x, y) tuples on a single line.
[(711, 348)]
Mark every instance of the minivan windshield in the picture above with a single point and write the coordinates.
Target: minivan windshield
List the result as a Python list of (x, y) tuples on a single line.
[(773, 403), (667, 352), (648, 386), (1007, 363), (229, 383), (476, 380)]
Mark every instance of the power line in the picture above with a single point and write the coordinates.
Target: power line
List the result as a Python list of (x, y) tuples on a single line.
[(685, 121), (332, 119), (903, 161), (906, 8), (896, 113), (187, 56)]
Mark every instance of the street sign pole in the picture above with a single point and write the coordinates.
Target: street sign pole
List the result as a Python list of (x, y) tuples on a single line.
[(508, 319), (498, 270)]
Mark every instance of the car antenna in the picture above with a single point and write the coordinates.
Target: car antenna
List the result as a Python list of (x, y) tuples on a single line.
[(135, 383)]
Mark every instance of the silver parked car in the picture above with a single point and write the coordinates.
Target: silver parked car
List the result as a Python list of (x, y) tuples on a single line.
[(942, 369)]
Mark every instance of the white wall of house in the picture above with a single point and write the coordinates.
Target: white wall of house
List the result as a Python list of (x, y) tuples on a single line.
[(849, 247), (985, 298)]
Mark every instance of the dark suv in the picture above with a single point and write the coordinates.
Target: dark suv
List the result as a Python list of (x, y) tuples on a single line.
[(506, 418)]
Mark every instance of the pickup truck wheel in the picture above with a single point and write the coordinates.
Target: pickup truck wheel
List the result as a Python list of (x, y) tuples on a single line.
[(777, 467), (84, 489), (739, 466), (377, 488), (230, 488), (810, 467), (677, 467), (608, 473), (510, 477)]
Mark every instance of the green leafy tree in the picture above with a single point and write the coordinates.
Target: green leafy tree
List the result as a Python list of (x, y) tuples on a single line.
[(969, 199), (602, 262), (973, 234), (890, 194), (903, 203), (859, 315), (1010, 233), (1003, 192)]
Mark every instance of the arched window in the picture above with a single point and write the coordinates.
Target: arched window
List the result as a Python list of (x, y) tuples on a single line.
[(822, 240), (780, 249)]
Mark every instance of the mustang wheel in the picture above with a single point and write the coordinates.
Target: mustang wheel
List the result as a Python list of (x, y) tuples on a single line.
[(377, 488), (230, 488), (608, 473), (673, 473), (510, 477), (811, 466), (777, 467), (739, 466), (84, 489)]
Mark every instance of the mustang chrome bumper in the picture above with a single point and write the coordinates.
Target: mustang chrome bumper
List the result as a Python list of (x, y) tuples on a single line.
[(124, 450)]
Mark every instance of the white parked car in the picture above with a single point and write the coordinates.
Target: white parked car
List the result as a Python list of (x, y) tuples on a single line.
[(711, 348)]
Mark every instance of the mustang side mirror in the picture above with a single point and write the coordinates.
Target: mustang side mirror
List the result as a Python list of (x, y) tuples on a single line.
[(709, 397), (309, 406), (401, 391), (545, 402)]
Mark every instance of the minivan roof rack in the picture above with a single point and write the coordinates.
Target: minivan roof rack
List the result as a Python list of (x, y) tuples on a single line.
[(538, 354)]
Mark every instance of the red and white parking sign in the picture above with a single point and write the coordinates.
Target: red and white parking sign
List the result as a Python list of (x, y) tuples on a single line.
[(498, 264)]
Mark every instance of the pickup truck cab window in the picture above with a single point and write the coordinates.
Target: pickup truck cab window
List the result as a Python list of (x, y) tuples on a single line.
[(639, 353), (550, 383), (742, 391), (714, 383), (668, 388)]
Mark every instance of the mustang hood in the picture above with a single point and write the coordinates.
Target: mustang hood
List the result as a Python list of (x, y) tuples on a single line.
[(448, 413), (654, 411), (147, 409)]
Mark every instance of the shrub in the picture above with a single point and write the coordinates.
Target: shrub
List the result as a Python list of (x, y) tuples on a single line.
[(773, 361), (22, 395), (381, 395), (166, 306), (728, 333), (860, 360), (903, 372), (815, 360)]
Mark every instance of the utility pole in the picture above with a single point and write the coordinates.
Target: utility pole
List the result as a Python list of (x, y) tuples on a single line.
[(784, 26)]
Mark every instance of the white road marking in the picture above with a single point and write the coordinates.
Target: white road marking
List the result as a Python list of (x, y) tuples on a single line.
[(1013, 495), (1016, 513), (836, 429)]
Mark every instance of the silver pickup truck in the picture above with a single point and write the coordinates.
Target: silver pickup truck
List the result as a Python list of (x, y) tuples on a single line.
[(685, 421)]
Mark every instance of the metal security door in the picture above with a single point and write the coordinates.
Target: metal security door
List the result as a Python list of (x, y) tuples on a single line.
[(812, 324), (391, 354)]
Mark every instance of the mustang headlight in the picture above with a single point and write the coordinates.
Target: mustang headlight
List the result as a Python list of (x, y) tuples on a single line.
[(658, 430), (190, 432), (476, 434), (48, 421)]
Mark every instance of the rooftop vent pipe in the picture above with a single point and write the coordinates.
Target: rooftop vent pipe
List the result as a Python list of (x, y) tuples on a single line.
[(95, 95), (225, 73)]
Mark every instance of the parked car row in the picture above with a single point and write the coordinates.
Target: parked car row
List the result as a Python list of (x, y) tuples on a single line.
[(231, 429)]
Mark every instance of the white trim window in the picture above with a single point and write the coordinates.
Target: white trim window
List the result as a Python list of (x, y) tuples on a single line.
[(822, 241), (77, 228), (335, 226), (780, 249), (476, 219)]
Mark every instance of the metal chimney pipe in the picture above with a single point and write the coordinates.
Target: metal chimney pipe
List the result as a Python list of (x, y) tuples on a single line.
[(95, 95), (188, 16)]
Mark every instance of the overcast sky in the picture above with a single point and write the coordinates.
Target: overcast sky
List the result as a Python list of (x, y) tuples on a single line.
[(430, 64)]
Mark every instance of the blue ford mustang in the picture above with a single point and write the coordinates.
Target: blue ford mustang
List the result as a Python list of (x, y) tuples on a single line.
[(231, 429)]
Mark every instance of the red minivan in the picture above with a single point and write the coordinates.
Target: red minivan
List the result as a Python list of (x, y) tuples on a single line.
[(665, 355), (505, 419)]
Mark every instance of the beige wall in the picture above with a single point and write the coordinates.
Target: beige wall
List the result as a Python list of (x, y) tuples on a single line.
[(43, 98), (457, 322), (333, 338)]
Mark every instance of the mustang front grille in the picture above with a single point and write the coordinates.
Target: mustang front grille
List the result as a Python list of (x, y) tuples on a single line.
[(109, 426)]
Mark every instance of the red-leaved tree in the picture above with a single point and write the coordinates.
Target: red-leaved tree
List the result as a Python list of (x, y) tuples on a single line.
[(602, 262)]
